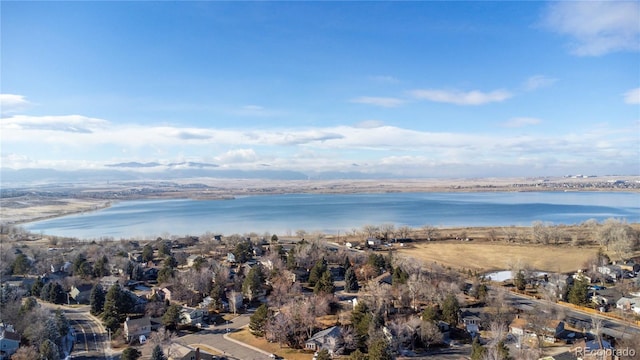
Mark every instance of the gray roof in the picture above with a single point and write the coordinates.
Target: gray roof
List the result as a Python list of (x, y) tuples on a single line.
[(332, 331)]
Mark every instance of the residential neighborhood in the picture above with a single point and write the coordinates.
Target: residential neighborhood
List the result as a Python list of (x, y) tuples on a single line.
[(315, 298)]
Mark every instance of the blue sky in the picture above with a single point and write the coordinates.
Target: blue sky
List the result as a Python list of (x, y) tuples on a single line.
[(418, 89)]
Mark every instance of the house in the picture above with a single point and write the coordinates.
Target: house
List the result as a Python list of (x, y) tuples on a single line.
[(81, 293), (9, 341), (594, 350), (372, 241), (629, 304), (135, 256), (191, 260), (108, 281), (471, 324), (185, 352), (191, 316), (137, 329), (613, 271), (165, 293), (518, 326), (231, 258), (329, 339), (551, 330)]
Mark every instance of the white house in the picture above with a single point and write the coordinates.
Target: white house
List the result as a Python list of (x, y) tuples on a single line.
[(629, 304), (191, 316)]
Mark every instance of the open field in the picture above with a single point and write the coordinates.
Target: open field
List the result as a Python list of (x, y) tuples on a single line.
[(246, 337), (498, 256)]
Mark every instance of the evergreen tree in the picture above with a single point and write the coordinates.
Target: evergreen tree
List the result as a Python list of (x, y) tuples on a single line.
[(37, 286), (520, 281), (243, 251), (100, 268), (347, 263), (323, 355), (316, 272), (96, 299), (49, 350), (379, 348), (253, 282), (291, 260), (164, 249), (171, 317), (20, 265), (430, 313), (165, 274), (62, 323), (131, 354), (147, 253), (579, 291), (157, 353), (324, 284), (450, 309), (28, 305), (350, 281), (399, 276), (478, 351), (361, 318), (357, 355), (274, 238), (258, 320)]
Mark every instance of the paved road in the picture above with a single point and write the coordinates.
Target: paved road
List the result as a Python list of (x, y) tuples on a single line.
[(92, 342), (580, 319), (214, 337)]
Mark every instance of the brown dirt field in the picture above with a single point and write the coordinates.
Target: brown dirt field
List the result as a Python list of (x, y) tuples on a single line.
[(498, 256), (246, 337)]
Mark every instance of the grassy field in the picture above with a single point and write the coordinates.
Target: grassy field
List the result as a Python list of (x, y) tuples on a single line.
[(293, 354), (498, 256)]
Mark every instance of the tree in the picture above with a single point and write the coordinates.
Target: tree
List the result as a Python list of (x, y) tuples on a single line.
[(323, 355), (157, 353), (49, 350), (450, 309), (350, 281), (430, 333), (579, 291), (164, 249), (131, 354), (96, 299), (478, 351), (316, 271), (520, 281), (37, 286), (361, 318), (171, 317), (243, 251), (274, 238), (20, 265), (100, 267), (62, 323), (399, 276), (253, 282), (165, 274), (325, 284), (430, 313), (147, 253), (357, 355), (258, 320), (379, 348)]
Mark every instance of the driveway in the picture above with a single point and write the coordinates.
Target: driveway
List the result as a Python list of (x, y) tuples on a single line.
[(215, 337)]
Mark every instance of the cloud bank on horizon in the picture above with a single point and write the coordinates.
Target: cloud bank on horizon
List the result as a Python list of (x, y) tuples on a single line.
[(407, 89)]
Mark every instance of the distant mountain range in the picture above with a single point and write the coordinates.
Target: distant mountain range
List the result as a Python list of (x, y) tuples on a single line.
[(157, 171)]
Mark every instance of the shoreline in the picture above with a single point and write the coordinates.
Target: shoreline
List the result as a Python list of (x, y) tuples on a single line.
[(28, 205)]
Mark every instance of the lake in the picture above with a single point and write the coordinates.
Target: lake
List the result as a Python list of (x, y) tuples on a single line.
[(333, 213)]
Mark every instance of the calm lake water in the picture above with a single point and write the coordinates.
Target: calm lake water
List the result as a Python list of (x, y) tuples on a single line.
[(284, 214)]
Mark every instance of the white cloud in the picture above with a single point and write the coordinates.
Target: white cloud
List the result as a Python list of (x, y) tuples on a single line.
[(237, 156), (522, 121), (378, 101), (597, 27), (66, 123), (369, 124), (375, 147), (538, 81), (632, 96), (461, 97), (11, 103)]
